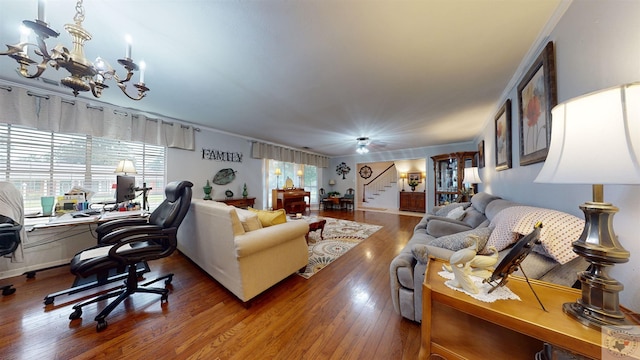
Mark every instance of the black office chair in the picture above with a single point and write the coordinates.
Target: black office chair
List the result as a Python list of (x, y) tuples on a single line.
[(9, 241), (127, 246)]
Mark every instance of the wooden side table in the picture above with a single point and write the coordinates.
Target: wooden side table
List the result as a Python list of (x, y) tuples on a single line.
[(239, 202), (457, 326)]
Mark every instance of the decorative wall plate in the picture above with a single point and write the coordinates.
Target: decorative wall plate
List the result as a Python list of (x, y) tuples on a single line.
[(365, 172), (224, 176)]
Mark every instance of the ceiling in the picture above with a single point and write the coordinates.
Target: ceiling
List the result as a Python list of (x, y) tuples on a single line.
[(311, 74)]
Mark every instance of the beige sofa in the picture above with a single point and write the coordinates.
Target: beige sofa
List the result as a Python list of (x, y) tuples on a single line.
[(245, 262)]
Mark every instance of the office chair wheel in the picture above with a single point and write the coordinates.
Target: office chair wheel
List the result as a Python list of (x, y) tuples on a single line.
[(101, 325), (48, 300), (76, 314), (8, 290)]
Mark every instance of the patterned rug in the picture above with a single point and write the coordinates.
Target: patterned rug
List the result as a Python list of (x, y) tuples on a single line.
[(339, 236)]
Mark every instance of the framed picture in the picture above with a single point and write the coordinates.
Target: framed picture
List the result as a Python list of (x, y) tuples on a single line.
[(481, 154), (537, 95), (414, 176), (503, 137)]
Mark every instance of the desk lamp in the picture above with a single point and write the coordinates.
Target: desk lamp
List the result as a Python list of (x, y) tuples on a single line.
[(126, 167), (595, 139)]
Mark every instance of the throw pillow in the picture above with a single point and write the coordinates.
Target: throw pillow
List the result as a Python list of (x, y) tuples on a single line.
[(444, 209), (456, 214), (270, 217), (463, 239), (249, 220)]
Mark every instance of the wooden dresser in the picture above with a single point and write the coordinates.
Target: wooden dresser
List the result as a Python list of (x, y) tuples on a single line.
[(412, 201), (239, 202), (456, 326)]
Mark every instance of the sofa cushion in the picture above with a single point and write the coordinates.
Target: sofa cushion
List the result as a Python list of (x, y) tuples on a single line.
[(473, 217), (270, 217), (559, 231), (249, 220), (457, 213), (445, 209), (463, 239), (238, 229), (480, 200)]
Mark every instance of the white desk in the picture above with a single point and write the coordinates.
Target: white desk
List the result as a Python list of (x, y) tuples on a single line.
[(54, 241)]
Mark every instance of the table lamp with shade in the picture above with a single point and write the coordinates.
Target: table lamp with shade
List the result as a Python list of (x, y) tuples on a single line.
[(277, 173), (403, 176), (300, 174), (125, 167), (595, 139), (471, 177)]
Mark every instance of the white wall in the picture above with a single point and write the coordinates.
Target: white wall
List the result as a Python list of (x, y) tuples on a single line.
[(189, 165), (597, 45)]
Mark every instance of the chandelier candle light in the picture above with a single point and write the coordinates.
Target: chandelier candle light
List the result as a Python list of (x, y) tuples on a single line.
[(85, 75), (595, 139)]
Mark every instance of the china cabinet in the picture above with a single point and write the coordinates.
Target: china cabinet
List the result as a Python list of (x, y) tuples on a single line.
[(448, 174)]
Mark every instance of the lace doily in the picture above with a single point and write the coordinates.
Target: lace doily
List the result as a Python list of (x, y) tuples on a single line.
[(500, 293)]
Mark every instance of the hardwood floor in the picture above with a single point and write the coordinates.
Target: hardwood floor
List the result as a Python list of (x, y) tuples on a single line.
[(343, 312)]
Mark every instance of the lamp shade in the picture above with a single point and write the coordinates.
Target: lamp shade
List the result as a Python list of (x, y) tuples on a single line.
[(278, 172), (471, 176), (126, 166), (595, 139)]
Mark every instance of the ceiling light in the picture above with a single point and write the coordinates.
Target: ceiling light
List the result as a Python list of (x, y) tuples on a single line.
[(85, 75), (362, 143)]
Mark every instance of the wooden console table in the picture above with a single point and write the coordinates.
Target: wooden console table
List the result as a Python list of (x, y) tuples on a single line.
[(457, 326), (239, 202)]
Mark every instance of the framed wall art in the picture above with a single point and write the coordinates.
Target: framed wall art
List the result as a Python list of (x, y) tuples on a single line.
[(414, 176), (503, 137), (537, 95)]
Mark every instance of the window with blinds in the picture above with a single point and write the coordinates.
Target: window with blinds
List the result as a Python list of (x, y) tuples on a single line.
[(41, 163)]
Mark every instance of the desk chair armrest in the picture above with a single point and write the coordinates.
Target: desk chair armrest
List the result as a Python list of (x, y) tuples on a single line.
[(112, 225), (152, 250), (118, 235)]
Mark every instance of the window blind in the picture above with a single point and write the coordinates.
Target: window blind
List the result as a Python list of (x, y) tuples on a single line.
[(41, 163)]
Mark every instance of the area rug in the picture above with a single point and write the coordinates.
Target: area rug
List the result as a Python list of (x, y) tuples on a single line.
[(339, 236)]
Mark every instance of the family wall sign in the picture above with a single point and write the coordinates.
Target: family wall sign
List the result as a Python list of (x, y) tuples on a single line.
[(219, 155)]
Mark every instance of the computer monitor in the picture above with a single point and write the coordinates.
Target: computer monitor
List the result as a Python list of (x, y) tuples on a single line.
[(125, 186)]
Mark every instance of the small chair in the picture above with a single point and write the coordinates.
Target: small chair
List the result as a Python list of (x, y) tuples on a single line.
[(347, 201), (9, 241), (322, 199), (130, 245)]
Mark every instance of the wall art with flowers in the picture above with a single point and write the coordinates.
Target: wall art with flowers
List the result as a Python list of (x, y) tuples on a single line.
[(537, 95), (503, 137)]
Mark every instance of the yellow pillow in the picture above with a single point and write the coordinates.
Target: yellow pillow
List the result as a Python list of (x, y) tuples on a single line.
[(268, 218)]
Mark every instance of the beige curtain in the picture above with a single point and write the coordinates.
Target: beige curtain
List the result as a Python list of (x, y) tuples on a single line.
[(274, 152), (52, 113)]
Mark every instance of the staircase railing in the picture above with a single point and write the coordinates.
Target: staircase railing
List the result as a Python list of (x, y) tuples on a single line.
[(379, 182)]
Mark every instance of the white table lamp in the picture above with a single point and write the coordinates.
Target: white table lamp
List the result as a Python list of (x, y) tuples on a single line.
[(595, 139)]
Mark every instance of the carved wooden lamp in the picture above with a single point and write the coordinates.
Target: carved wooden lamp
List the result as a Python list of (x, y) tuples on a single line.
[(595, 139)]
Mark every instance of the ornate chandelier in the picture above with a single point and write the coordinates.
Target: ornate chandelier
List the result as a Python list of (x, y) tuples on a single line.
[(85, 75)]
